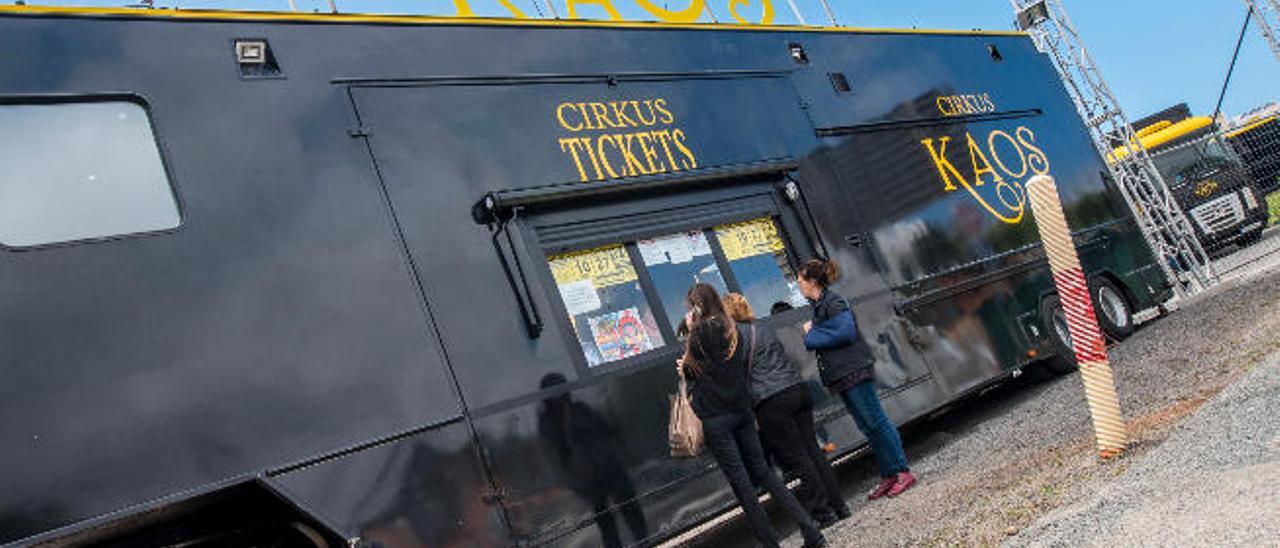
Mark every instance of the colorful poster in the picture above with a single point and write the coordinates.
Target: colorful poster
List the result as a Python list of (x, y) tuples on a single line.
[(620, 334)]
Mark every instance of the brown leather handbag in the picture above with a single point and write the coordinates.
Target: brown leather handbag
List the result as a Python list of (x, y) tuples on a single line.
[(685, 431)]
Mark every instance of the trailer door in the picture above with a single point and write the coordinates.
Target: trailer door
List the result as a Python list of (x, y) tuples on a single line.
[(442, 146)]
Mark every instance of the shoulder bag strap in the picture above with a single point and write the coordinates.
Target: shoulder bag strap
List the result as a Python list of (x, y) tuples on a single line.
[(751, 351)]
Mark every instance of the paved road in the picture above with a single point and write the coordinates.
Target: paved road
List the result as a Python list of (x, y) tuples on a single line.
[(1214, 482), (1244, 262)]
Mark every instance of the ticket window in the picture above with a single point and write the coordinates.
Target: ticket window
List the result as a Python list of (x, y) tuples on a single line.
[(758, 259), (609, 311), (616, 295), (677, 261)]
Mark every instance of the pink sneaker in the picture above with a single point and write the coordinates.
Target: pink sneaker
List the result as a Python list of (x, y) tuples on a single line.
[(901, 482), (885, 485)]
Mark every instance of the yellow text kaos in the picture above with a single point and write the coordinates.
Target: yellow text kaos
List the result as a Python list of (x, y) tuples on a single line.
[(613, 139), (692, 11), (1004, 160)]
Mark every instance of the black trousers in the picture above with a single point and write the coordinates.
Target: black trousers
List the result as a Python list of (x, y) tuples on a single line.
[(786, 428), (732, 440)]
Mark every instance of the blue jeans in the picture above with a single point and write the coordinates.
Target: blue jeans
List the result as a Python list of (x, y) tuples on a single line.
[(863, 403)]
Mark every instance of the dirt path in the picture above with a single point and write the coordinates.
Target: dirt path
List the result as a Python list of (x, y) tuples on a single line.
[(993, 465)]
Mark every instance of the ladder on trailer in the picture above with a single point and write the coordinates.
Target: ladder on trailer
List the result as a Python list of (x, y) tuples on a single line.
[(1267, 14), (1161, 219)]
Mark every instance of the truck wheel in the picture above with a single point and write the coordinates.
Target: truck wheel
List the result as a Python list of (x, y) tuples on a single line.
[(1063, 360), (1251, 238), (1115, 315)]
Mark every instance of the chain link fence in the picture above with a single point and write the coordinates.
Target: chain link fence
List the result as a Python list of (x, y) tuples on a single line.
[(1240, 224), (1225, 178)]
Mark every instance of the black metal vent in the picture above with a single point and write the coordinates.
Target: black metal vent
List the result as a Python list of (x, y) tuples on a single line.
[(995, 53), (839, 82)]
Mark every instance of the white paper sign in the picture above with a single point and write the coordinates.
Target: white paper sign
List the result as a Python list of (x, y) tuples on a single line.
[(679, 249), (700, 245), (652, 252), (580, 297)]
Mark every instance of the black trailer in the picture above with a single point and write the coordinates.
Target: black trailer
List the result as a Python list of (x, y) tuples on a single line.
[(279, 279)]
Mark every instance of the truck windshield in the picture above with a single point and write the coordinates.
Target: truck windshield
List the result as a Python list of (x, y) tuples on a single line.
[(1192, 162)]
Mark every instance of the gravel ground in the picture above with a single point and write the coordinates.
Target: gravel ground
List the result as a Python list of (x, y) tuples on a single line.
[(993, 465), (1212, 483)]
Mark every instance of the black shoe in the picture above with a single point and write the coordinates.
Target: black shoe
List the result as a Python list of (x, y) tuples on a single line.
[(825, 518), (816, 542), (841, 511)]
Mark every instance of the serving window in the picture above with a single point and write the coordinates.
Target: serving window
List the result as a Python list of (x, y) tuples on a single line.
[(627, 298), (758, 259), (676, 262), (602, 295)]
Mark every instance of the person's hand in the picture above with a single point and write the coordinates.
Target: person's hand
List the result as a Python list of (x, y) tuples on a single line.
[(807, 326), (680, 366)]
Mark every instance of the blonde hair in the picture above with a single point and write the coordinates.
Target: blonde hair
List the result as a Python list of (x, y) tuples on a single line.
[(738, 308)]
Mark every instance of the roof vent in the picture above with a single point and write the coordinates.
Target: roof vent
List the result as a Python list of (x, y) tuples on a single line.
[(839, 82)]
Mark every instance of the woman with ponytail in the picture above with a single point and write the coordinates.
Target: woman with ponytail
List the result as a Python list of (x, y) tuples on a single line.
[(846, 366), (715, 363)]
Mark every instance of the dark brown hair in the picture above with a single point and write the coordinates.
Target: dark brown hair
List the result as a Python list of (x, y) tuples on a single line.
[(820, 271), (713, 334), (703, 300), (712, 341)]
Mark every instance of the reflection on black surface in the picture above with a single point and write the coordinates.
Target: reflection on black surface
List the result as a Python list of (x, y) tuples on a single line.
[(432, 505), (582, 443)]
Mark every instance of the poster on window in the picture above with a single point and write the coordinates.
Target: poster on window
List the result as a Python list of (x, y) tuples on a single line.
[(620, 334), (748, 239)]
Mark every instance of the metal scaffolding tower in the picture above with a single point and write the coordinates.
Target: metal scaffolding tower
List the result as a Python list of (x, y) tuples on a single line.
[(1163, 223), (1267, 14)]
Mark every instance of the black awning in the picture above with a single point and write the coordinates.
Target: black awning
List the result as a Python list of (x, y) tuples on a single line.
[(497, 205)]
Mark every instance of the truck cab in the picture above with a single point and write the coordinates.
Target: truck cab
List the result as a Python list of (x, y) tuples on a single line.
[(1206, 177)]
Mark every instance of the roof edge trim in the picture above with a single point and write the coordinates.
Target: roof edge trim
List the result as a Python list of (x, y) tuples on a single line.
[(426, 20)]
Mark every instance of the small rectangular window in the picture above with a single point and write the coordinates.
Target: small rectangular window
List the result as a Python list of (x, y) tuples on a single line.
[(602, 294), (80, 170), (758, 259), (676, 262)]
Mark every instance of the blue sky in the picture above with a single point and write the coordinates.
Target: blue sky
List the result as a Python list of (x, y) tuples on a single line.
[(1154, 53)]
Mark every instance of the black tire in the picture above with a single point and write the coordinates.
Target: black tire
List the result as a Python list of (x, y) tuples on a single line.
[(1251, 238), (1111, 306), (1063, 360)]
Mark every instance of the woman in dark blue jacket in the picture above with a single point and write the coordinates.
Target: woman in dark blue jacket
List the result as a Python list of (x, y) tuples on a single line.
[(846, 366)]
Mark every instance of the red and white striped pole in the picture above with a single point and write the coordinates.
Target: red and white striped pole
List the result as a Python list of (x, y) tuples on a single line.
[(1086, 337)]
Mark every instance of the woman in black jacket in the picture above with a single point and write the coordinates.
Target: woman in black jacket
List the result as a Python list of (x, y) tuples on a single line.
[(784, 408), (847, 369), (715, 364)]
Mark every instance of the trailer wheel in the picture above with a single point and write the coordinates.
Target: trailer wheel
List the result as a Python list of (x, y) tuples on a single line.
[(1115, 315), (1251, 238), (1063, 360)]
